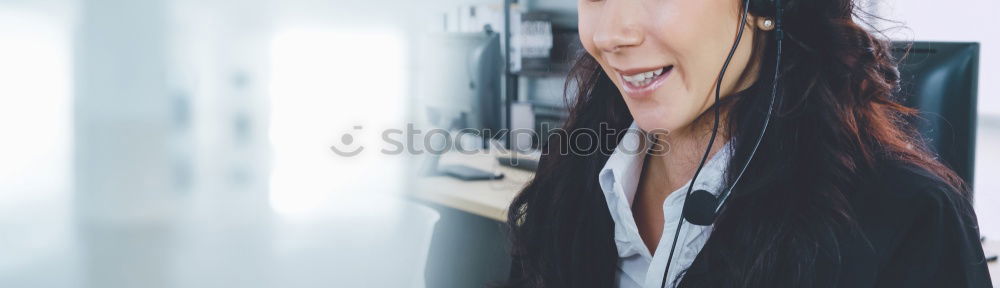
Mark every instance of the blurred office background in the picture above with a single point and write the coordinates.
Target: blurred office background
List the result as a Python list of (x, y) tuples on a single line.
[(186, 143)]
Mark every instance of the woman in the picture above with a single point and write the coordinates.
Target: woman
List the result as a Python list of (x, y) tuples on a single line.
[(840, 191)]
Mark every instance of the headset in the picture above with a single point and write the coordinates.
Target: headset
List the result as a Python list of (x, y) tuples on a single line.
[(702, 207)]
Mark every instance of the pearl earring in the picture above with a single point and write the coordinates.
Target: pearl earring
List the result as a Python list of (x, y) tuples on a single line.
[(765, 24)]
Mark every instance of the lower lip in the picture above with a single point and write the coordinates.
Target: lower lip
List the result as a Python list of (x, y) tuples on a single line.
[(644, 91)]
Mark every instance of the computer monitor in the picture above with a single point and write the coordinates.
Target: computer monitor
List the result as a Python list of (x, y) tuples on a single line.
[(940, 80), (459, 80)]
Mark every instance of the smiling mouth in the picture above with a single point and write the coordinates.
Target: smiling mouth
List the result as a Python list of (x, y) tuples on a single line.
[(645, 81)]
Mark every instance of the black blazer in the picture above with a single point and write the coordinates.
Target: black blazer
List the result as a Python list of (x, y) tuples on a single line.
[(916, 231)]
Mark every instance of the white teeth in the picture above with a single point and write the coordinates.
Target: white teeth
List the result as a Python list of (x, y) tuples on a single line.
[(641, 79)]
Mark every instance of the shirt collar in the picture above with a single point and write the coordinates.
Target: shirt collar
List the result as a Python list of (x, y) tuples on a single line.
[(624, 166), (622, 171)]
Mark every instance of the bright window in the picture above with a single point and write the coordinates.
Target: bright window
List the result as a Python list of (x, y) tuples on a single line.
[(323, 84)]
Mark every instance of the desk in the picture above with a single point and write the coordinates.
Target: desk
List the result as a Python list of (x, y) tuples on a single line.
[(490, 199), (484, 198)]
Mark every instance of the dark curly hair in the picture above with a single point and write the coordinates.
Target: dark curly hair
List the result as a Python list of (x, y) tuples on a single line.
[(835, 121)]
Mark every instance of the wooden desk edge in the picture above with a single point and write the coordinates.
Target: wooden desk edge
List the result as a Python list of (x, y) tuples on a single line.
[(477, 208)]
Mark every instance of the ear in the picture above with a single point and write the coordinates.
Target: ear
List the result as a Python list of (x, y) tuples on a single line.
[(752, 20)]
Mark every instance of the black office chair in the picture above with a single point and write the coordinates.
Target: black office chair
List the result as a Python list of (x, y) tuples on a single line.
[(940, 80)]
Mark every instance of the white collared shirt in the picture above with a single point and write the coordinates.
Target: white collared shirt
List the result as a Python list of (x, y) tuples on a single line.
[(619, 179)]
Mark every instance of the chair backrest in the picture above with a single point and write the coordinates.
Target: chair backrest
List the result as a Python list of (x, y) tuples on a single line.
[(940, 79)]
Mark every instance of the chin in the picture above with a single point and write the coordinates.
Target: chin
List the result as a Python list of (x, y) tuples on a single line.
[(663, 111), (657, 119)]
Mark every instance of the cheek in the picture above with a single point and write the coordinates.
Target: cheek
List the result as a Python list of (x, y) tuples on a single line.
[(685, 96), (685, 39), (587, 20)]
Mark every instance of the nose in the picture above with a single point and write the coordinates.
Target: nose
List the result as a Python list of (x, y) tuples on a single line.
[(619, 27)]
